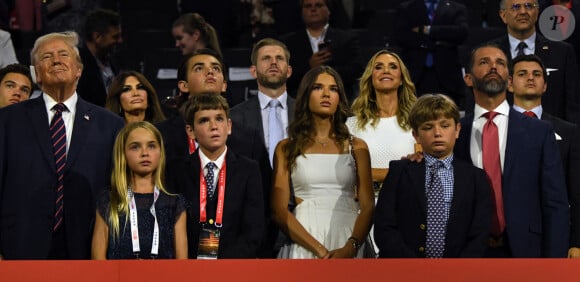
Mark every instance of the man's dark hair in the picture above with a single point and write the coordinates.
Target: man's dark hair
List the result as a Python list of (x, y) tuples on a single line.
[(16, 68), (471, 62), (182, 70), (100, 21), (527, 58)]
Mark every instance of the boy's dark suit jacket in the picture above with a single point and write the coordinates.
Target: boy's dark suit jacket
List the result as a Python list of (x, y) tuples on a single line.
[(569, 147), (243, 227), (28, 178), (401, 212), (534, 192)]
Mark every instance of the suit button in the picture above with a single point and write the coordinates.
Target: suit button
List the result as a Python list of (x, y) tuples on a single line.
[(421, 249), (422, 226)]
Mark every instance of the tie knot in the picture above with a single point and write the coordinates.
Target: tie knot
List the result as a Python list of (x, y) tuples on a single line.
[(210, 166), (437, 165), (530, 114), (490, 115), (274, 103), (59, 108)]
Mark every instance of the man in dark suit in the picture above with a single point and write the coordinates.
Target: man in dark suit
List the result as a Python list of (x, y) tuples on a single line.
[(320, 44), (531, 217), (406, 216), (240, 228), (102, 34), (429, 34), (270, 67), (47, 203), (562, 98), (527, 82)]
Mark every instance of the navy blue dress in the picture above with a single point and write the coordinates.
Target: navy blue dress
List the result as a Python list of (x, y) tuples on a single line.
[(167, 208)]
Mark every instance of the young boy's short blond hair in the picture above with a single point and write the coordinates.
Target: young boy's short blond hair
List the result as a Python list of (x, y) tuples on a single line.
[(432, 107), (204, 101)]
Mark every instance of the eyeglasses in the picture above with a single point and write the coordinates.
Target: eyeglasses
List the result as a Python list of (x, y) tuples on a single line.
[(310, 6), (528, 6)]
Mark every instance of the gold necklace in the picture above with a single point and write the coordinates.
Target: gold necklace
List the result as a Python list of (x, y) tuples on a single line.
[(323, 143)]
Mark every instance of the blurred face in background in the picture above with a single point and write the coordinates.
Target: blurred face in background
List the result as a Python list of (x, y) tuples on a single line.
[(14, 88), (186, 42)]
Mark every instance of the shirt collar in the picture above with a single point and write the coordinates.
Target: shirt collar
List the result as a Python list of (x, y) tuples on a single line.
[(503, 109), (322, 36), (265, 99), (530, 41), (218, 162), (70, 103), (537, 110), (431, 160)]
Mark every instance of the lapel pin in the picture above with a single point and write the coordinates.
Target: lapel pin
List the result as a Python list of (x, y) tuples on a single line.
[(545, 47), (86, 117)]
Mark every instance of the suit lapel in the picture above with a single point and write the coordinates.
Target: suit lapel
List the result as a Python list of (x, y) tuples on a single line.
[(460, 182), (462, 150), (254, 114), (192, 192), (39, 119), (542, 48), (417, 178), (290, 101), (516, 135), (81, 128)]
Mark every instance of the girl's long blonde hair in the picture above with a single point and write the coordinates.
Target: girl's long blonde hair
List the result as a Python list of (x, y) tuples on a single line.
[(365, 106), (121, 176)]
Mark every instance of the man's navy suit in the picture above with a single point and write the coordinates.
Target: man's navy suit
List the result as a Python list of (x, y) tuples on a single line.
[(28, 178), (249, 114), (401, 212), (569, 145), (534, 193), (242, 231), (562, 98)]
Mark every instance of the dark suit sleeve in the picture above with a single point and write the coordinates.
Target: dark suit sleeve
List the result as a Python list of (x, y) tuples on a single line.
[(476, 239), (2, 165), (573, 175), (555, 210), (251, 235), (387, 236), (572, 86)]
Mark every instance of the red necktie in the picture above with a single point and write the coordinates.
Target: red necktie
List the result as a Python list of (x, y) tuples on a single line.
[(530, 114), (492, 167)]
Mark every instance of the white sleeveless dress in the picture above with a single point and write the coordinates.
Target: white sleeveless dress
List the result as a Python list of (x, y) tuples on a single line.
[(325, 183)]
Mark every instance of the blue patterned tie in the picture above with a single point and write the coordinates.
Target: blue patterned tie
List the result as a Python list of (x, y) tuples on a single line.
[(436, 223), (58, 137), (209, 179), (275, 131)]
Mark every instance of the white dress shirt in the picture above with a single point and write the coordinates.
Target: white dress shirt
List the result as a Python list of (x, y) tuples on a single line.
[(476, 143), (219, 162), (67, 116)]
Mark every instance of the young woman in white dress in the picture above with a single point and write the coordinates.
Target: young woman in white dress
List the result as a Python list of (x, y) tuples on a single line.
[(324, 166)]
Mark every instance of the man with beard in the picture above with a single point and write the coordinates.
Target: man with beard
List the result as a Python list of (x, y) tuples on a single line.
[(528, 83), (521, 159), (102, 33), (269, 112), (272, 109)]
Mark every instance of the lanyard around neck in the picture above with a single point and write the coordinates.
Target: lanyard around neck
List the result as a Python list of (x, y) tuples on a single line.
[(203, 196), (135, 224)]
